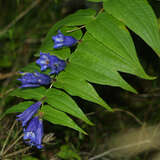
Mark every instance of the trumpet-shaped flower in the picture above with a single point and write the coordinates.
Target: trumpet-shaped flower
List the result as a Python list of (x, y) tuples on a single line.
[(50, 61), (34, 80), (25, 116), (60, 40), (34, 132), (56, 65), (44, 61)]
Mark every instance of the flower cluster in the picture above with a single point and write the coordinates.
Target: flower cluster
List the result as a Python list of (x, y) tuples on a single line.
[(33, 125), (50, 61), (33, 133)]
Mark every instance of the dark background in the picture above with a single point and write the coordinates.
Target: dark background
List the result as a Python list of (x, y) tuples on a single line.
[(17, 47)]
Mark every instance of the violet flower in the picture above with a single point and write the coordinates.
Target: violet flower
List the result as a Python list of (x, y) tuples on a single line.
[(50, 61), (25, 116), (34, 132), (60, 40), (34, 80)]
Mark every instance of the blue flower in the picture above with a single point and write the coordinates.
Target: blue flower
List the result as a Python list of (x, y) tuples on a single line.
[(50, 61), (34, 132), (34, 80), (25, 116), (57, 65), (60, 41), (44, 61)]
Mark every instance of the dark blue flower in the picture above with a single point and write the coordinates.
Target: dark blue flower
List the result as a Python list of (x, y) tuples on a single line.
[(43, 61), (60, 41), (25, 116), (56, 65), (34, 80), (50, 61), (34, 132)]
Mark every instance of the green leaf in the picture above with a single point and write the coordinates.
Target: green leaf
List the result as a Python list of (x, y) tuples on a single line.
[(91, 63), (76, 86), (57, 117), (17, 108), (32, 67), (95, 0), (48, 43), (61, 101), (81, 17), (29, 158), (54, 97), (139, 17), (99, 57), (66, 152), (117, 42), (28, 93), (159, 23)]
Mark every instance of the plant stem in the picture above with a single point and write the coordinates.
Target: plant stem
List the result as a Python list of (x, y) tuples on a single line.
[(4, 145), (12, 144), (17, 152), (118, 149)]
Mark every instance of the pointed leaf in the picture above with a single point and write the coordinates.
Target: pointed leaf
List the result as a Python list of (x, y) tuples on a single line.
[(81, 17), (79, 87), (29, 93), (32, 67), (68, 152), (116, 39), (139, 17), (57, 117), (95, 0), (87, 62), (17, 108), (48, 43), (61, 101)]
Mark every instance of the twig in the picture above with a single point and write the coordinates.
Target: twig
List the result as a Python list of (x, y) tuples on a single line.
[(8, 91), (7, 75), (101, 10), (12, 144), (75, 29), (20, 16), (17, 152), (17, 133), (149, 95), (118, 149), (131, 114), (105, 158), (10, 131)]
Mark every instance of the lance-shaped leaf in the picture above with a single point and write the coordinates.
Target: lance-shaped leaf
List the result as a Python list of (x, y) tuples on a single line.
[(90, 63), (61, 101), (81, 17), (57, 117), (56, 98), (95, 0), (75, 85), (116, 41), (139, 17), (18, 108), (47, 45), (29, 93), (99, 57)]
